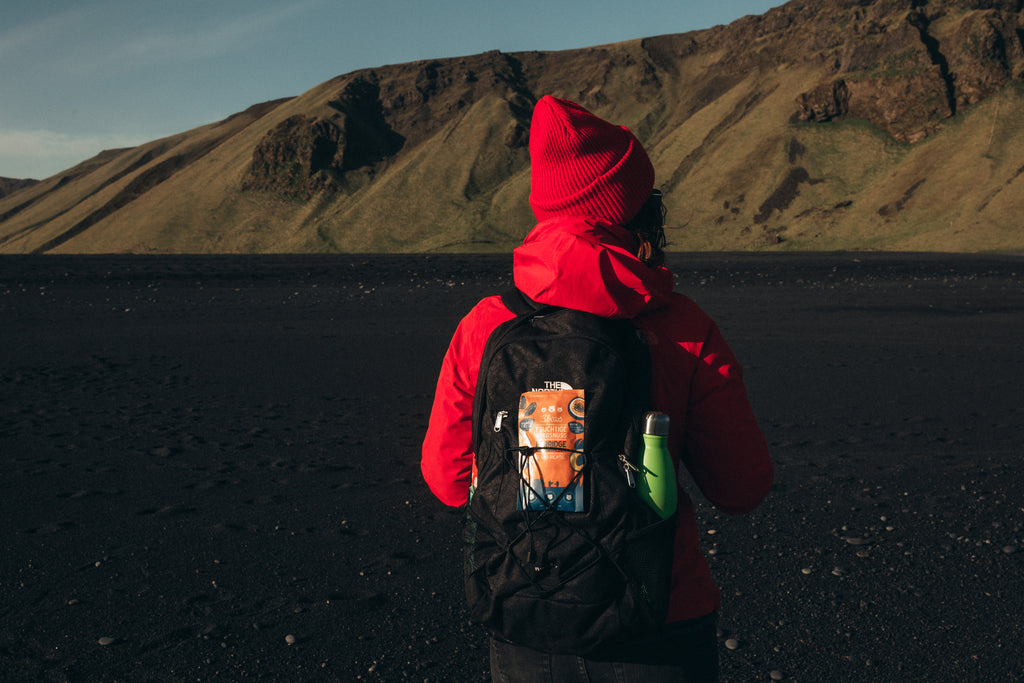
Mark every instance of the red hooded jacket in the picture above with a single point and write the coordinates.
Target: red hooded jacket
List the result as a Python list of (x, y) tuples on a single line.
[(588, 265)]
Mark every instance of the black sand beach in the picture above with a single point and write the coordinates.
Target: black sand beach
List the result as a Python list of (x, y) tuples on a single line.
[(209, 467)]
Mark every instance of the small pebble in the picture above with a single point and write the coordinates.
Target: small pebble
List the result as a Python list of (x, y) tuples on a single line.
[(776, 675), (839, 571), (806, 570), (1009, 549), (290, 639), (105, 641), (732, 643)]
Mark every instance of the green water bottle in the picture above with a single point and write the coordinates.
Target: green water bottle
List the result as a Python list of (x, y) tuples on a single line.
[(657, 481)]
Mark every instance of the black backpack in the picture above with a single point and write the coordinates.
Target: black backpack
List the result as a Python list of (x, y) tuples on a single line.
[(562, 555)]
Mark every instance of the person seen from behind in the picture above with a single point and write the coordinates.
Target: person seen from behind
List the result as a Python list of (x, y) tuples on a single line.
[(598, 247)]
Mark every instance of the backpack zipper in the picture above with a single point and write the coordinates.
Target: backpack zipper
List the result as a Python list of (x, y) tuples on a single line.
[(629, 468), (502, 414)]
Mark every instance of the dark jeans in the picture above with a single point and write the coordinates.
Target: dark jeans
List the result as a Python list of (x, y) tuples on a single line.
[(684, 651)]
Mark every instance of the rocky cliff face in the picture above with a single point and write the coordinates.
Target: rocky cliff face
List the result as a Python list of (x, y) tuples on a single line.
[(376, 114), (775, 131), (304, 155), (908, 66)]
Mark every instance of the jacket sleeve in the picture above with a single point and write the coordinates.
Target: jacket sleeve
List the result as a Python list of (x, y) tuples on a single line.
[(447, 456), (699, 383), (724, 449)]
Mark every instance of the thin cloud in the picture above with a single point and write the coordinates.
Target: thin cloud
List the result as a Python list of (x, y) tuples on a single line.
[(186, 44), (41, 153), (90, 38), (44, 32)]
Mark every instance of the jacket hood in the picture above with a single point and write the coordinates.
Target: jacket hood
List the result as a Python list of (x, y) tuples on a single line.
[(588, 265)]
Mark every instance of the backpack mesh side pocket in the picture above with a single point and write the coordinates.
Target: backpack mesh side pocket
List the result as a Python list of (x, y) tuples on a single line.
[(649, 563)]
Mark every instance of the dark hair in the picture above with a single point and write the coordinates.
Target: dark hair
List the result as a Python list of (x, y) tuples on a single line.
[(648, 226)]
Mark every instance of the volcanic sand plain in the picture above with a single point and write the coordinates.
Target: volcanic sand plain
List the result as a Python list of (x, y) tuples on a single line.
[(210, 467)]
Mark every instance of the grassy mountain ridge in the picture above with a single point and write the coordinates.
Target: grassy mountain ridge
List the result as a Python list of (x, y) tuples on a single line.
[(9, 185), (822, 124)]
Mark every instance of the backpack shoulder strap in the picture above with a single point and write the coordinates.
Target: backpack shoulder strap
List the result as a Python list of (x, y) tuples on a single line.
[(522, 305)]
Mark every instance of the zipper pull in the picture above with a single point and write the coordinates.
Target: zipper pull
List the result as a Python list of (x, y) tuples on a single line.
[(629, 468), (502, 414)]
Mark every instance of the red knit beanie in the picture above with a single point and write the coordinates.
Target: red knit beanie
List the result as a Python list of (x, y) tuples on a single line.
[(582, 165)]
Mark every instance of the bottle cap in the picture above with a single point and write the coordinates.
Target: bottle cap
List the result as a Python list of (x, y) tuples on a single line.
[(656, 424)]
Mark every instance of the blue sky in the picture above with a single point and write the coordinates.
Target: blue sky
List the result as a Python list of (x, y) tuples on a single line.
[(80, 76)]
